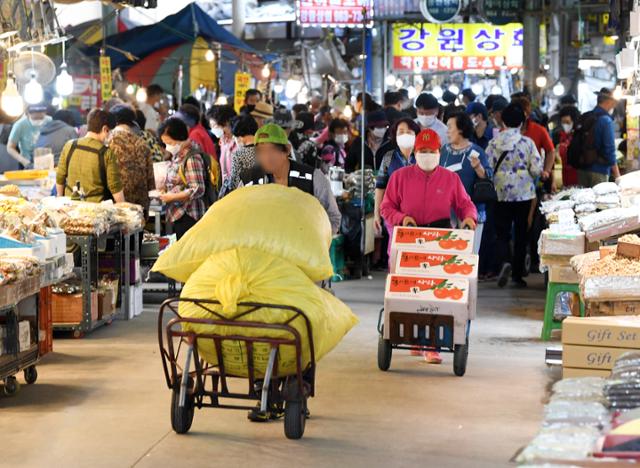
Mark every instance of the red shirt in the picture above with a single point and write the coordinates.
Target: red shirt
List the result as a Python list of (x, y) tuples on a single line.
[(199, 135), (569, 174), (540, 137)]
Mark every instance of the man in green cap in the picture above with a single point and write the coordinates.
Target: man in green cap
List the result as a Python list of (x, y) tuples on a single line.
[(275, 166)]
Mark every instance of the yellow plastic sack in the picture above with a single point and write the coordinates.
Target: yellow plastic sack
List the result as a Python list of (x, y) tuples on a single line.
[(246, 275), (279, 220)]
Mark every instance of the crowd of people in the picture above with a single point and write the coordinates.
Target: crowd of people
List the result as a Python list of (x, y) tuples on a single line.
[(500, 143)]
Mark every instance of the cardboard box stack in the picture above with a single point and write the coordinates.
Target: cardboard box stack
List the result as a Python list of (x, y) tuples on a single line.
[(591, 345), (556, 250), (433, 272)]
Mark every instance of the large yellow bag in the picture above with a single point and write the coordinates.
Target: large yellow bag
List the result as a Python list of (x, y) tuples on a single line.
[(249, 275), (271, 218)]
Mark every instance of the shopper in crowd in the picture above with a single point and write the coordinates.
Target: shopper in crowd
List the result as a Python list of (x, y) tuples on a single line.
[(568, 118), (184, 188), (334, 151), (134, 157), (251, 98), (323, 118), (262, 112), (87, 169), (284, 119), (482, 129), (376, 128), (407, 106), (369, 104), (604, 137), (221, 120), (497, 106), (425, 195), (306, 150), (468, 96), (297, 108), (566, 101), (57, 132), (275, 166), (25, 133), (428, 109), (244, 157), (516, 163), (149, 108), (393, 102), (468, 160), (403, 137), (190, 115), (7, 163), (157, 151)]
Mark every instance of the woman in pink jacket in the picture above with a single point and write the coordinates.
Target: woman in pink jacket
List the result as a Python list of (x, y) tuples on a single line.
[(424, 195)]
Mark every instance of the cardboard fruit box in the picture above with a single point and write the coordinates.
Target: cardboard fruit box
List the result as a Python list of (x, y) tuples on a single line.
[(573, 372), (429, 295), (614, 332), (445, 265), (459, 241), (590, 357), (563, 274), (556, 243), (67, 308)]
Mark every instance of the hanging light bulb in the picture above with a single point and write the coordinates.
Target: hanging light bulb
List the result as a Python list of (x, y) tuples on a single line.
[(130, 89), (541, 81), (64, 81), (33, 92), (348, 112), (411, 90), (278, 87), (209, 56), (11, 101), (141, 94), (292, 88), (495, 89), (437, 92), (477, 89), (390, 80), (399, 83), (618, 93), (222, 100), (454, 89), (266, 71), (56, 101), (558, 89)]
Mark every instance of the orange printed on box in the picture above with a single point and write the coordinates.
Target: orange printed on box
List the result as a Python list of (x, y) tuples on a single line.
[(441, 288)]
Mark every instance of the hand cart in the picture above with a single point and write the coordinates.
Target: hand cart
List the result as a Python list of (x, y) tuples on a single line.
[(422, 332), (207, 385)]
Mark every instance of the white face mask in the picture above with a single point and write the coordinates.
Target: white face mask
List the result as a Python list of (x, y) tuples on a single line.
[(426, 120), (342, 139), (567, 128), (475, 121), (217, 131), (379, 131), (406, 140), (173, 149), (36, 122), (427, 161)]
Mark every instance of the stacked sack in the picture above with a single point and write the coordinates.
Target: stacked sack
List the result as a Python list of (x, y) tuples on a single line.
[(266, 244)]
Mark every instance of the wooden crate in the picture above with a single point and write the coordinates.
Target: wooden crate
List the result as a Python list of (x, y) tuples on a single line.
[(106, 303), (628, 249), (67, 308)]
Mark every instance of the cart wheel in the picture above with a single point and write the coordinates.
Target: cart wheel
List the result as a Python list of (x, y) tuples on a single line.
[(384, 354), (77, 334), (30, 375), (181, 417), (295, 417), (11, 386), (460, 354)]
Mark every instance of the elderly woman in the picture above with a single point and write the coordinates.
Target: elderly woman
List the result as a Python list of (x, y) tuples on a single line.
[(425, 195)]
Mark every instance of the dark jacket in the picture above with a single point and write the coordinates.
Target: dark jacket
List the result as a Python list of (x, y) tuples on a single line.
[(55, 135), (604, 141)]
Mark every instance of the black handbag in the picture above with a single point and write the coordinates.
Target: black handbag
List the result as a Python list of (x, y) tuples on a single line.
[(483, 189)]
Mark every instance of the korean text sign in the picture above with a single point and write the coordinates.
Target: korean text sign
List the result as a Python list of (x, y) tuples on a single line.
[(242, 84), (426, 46), (332, 12)]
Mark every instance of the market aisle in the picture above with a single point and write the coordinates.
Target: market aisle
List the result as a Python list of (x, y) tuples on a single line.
[(102, 401)]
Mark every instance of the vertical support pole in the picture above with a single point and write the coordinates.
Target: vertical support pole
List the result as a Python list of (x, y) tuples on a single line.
[(363, 128)]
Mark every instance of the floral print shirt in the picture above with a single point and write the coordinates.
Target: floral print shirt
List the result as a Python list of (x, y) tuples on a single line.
[(515, 178)]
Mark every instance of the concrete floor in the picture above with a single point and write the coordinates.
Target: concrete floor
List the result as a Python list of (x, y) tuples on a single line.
[(102, 401)]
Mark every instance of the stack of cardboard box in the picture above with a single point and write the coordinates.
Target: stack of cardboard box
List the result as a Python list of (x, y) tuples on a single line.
[(556, 250)]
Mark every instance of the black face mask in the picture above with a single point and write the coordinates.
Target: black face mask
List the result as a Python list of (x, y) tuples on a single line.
[(250, 107)]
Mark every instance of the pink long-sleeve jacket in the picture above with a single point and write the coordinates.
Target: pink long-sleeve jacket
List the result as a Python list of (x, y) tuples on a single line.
[(427, 198)]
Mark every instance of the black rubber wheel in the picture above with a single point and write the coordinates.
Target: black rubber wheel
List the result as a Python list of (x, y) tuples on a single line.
[(30, 375), (460, 355), (182, 417), (384, 354), (11, 386), (295, 417)]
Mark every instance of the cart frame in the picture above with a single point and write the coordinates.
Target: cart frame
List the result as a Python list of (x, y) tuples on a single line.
[(273, 390)]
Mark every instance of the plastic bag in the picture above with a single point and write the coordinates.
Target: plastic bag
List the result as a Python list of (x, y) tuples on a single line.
[(271, 218), (249, 275), (605, 188), (564, 305)]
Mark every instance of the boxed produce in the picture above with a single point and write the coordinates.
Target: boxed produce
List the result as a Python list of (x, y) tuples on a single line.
[(557, 243), (106, 303), (629, 246), (411, 262), (429, 295), (67, 308), (614, 332), (10, 246), (572, 373), (24, 335), (613, 278), (459, 241), (563, 274), (590, 357)]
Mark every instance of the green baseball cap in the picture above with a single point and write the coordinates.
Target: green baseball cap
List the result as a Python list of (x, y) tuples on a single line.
[(271, 133)]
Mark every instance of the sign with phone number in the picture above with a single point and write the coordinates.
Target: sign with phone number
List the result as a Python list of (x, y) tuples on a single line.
[(426, 46), (340, 13)]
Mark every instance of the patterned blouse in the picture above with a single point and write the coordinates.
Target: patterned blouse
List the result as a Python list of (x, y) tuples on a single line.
[(242, 160), (195, 184), (515, 178)]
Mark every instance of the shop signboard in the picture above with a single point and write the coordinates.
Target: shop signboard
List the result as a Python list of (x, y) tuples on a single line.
[(242, 84), (440, 11), (446, 47), (85, 94), (105, 77), (501, 11), (333, 13)]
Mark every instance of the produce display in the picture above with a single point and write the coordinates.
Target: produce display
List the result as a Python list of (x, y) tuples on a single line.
[(21, 220), (17, 268)]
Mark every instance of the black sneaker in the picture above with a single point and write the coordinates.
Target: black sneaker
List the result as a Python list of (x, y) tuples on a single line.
[(519, 283), (503, 276)]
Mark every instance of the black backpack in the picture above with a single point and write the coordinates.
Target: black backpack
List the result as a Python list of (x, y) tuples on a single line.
[(582, 152)]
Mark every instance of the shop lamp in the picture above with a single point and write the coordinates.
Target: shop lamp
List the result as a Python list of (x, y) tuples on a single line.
[(56, 101), (141, 95), (618, 93), (209, 56), (266, 71), (64, 82), (558, 89), (11, 101), (514, 71), (495, 89), (477, 89), (348, 112), (541, 81), (292, 88), (454, 89), (390, 80), (130, 89), (222, 101), (33, 92), (437, 92), (278, 88), (399, 83), (412, 92)]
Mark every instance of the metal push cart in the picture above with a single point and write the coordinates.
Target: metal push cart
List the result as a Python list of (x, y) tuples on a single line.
[(423, 332), (207, 385)]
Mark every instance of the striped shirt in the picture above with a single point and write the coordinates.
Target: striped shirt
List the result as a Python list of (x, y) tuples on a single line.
[(195, 183)]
